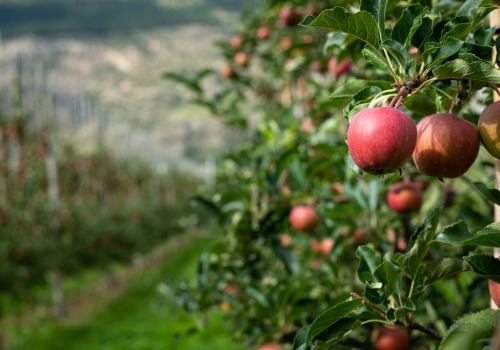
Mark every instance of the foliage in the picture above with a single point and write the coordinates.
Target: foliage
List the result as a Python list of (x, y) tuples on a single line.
[(294, 107)]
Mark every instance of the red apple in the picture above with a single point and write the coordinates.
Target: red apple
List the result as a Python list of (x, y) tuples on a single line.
[(236, 41), (338, 68), (447, 146), (286, 43), (285, 240), (359, 236), (326, 246), (381, 139), (392, 338), (227, 71), (271, 346), (494, 292), (289, 17), (405, 197), (242, 59), (304, 218), (307, 125), (488, 127), (263, 33)]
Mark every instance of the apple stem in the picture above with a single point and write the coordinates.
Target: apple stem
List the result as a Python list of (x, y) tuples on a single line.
[(398, 99)]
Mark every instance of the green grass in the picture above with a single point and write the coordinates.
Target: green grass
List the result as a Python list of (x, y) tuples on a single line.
[(140, 319)]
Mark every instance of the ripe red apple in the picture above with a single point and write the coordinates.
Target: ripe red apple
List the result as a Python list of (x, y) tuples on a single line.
[(338, 68), (242, 59), (289, 17), (405, 197), (263, 33), (447, 146), (494, 292), (307, 125), (236, 41), (381, 139), (392, 338), (285, 240), (286, 43), (488, 127), (326, 246), (227, 72), (271, 346), (304, 218)]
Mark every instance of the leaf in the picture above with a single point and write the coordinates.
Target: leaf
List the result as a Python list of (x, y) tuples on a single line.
[(335, 333), (209, 205), (369, 261), (443, 268), (461, 26), (346, 92), (460, 69), (486, 266), (373, 57), (398, 51), (459, 234), (419, 243), (377, 9), (408, 24), (332, 316), (421, 104), (471, 331), (361, 25), (448, 48), (493, 195), (470, 5), (421, 35), (300, 340), (390, 274)]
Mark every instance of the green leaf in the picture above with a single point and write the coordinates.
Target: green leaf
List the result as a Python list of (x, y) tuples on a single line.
[(460, 69), (461, 26), (335, 333), (486, 266), (374, 58), (390, 274), (443, 268), (421, 104), (420, 37), (471, 5), (419, 243), (377, 9), (493, 195), (472, 331), (346, 92), (398, 51), (458, 233), (448, 48), (300, 340), (332, 316), (361, 25), (369, 261), (408, 24)]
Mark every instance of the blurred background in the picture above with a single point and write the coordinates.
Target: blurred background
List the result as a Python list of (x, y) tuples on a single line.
[(99, 157)]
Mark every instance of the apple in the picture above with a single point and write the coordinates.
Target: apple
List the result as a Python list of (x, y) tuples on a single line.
[(381, 139), (286, 43), (271, 346), (227, 72), (285, 240), (447, 146), (338, 68), (326, 246), (488, 127), (494, 292), (404, 197), (242, 59), (263, 33), (307, 125), (392, 338), (289, 17), (359, 236), (236, 41), (304, 218)]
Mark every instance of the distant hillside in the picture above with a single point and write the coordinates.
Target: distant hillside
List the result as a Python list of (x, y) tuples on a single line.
[(122, 74), (91, 17)]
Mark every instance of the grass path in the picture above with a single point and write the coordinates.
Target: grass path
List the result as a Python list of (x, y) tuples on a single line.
[(138, 319)]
